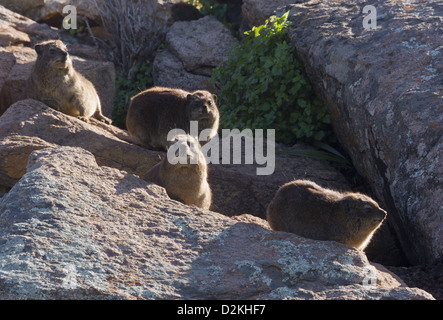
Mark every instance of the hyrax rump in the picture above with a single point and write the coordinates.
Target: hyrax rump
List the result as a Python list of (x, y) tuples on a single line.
[(308, 210), (154, 112), (55, 82), (185, 182)]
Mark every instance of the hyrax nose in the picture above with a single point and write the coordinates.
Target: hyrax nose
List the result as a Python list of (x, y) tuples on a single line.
[(204, 109), (63, 55)]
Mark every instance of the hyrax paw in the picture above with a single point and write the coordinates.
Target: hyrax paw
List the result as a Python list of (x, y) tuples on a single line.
[(83, 118)]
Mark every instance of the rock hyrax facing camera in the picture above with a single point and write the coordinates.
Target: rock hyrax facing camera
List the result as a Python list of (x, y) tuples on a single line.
[(154, 112), (55, 82), (183, 173), (308, 210)]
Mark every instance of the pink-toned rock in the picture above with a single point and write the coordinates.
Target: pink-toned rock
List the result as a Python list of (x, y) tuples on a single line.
[(9, 35), (70, 229), (31, 124)]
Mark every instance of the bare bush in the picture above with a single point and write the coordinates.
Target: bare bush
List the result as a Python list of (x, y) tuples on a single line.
[(135, 31)]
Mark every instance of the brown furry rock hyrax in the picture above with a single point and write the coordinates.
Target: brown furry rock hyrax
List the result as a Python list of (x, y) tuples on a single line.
[(183, 173), (154, 112), (55, 82), (308, 210)]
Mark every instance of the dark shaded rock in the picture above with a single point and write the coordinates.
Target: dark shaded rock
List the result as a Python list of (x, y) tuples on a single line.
[(185, 12), (428, 277)]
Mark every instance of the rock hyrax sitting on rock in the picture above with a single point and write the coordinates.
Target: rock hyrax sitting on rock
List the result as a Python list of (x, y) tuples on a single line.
[(154, 112), (186, 180), (55, 82), (308, 210)]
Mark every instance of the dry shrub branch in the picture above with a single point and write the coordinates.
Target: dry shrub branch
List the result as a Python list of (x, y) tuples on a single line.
[(135, 32)]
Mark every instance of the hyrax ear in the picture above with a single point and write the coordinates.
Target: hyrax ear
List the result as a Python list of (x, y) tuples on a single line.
[(214, 96), (38, 48), (190, 98)]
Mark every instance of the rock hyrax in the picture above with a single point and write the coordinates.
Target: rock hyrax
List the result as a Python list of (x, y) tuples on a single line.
[(308, 210), (154, 112), (55, 82), (185, 182)]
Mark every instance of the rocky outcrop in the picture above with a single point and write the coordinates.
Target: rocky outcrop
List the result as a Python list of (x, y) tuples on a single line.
[(30, 125), (71, 229), (168, 71), (194, 49), (383, 88), (201, 44), (17, 29)]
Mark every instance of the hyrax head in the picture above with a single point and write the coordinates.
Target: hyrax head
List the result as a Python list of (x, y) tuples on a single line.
[(201, 105), (54, 53), (185, 150), (361, 212)]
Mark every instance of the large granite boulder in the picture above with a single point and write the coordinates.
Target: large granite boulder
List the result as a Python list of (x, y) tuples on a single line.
[(168, 71), (194, 49), (71, 229), (383, 88), (201, 44)]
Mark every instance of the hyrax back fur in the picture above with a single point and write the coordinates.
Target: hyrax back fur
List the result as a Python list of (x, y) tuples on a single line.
[(308, 210), (55, 82), (185, 182), (154, 112)]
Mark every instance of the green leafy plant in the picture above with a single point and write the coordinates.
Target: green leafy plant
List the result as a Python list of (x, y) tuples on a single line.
[(262, 86), (125, 89)]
